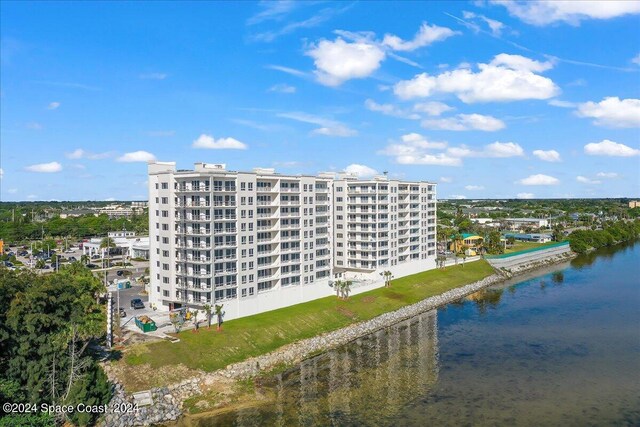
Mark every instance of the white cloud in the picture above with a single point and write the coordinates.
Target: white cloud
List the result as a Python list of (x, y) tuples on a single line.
[(496, 149), (446, 179), (463, 122), (525, 196), (53, 105), (110, 199), (547, 156), (518, 62), (390, 110), (12, 190), (327, 127), (45, 167), (585, 180), (417, 140), (432, 108), (572, 12), (506, 78), (361, 171), (287, 70), (539, 179), (562, 104), (335, 130), (495, 27), (34, 126), (473, 187), (636, 59), (208, 142), (415, 150), (137, 156), (457, 196), (338, 61), (609, 175), (612, 112), (426, 35), (610, 148), (282, 88), (1, 173), (79, 153), (153, 76)]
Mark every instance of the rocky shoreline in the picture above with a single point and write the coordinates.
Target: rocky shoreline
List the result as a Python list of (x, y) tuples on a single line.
[(167, 401)]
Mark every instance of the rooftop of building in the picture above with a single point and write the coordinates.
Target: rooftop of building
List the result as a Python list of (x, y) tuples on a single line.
[(265, 173)]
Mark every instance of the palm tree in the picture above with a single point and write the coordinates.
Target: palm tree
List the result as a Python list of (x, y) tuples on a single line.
[(457, 242), (345, 288), (84, 259), (387, 278), (219, 314), (338, 286), (207, 312), (557, 234)]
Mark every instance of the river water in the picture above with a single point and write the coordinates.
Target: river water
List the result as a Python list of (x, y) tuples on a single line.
[(561, 347)]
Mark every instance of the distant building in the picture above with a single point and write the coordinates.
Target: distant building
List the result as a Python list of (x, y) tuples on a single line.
[(634, 204), (122, 233), (530, 237), (518, 223), (472, 242), (76, 213), (489, 222), (134, 247)]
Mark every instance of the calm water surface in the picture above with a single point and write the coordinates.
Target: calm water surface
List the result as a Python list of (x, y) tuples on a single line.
[(559, 348)]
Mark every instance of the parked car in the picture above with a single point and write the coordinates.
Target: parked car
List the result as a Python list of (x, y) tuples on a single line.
[(122, 312), (119, 273), (92, 266), (137, 303), (72, 259)]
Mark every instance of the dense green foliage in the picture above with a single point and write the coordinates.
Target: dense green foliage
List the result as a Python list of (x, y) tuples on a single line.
[(47, 324), (611, 233), (19, 224)]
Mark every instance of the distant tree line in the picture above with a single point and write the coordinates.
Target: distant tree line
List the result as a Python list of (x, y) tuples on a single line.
[(49, 327), (611, 233), (22, 228)]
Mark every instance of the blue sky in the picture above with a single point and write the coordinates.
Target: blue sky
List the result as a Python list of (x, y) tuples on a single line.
[(489, 99)]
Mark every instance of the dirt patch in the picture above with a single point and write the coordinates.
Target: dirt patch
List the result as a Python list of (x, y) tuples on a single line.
[(393, 295), (346, 312), (369, 299), (143, 376)]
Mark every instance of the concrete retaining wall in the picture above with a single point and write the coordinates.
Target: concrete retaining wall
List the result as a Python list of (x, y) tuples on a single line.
[(532, 258)]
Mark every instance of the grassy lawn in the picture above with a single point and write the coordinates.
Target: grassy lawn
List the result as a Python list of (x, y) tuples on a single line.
[(521, 246), (242, 338)]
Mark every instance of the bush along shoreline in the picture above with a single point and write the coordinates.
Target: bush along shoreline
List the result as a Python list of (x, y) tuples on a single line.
[(582, 241)]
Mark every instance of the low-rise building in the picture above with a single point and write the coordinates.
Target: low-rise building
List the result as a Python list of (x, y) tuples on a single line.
[(634, 204), (519, 223), (530, 237), (471, 244)]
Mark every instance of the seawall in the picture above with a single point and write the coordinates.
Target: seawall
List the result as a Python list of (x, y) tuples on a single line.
[(167, 401), (519, 262)]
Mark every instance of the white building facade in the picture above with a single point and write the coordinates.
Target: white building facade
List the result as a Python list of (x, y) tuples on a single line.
[(258, 241)]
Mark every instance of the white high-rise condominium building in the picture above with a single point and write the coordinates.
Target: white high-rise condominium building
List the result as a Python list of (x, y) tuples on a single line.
[(257, 241), (384, 224)]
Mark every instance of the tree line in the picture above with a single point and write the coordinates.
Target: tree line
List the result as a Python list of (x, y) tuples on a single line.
[(50, 327), (22, 229), (582, 241)]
